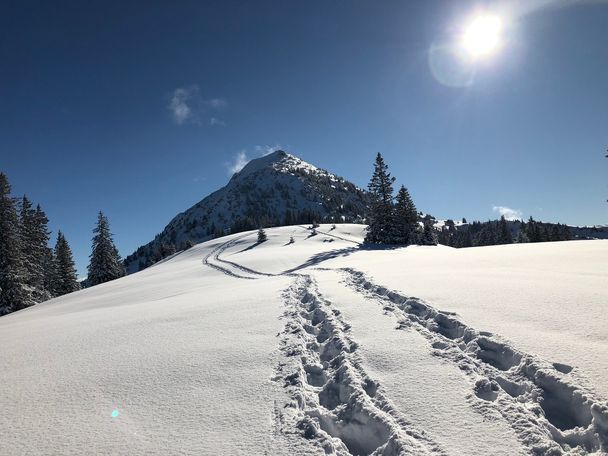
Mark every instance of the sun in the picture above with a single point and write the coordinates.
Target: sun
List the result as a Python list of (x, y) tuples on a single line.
[(483, 36)]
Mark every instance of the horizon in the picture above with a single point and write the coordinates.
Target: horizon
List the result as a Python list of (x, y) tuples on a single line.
[(142, 112)]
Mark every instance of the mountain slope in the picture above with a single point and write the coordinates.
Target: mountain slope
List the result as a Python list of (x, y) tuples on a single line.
[(318, 347), (277, 189)]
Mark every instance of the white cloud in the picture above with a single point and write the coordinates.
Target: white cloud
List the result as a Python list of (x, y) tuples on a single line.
[(239, 162), (267, 150), (181, 104), (509, 214), (214, 121), (187, 106), (216, 103)]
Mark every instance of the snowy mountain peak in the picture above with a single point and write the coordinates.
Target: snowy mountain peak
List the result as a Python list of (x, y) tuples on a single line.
[(282, 162), (273, 190), (272, 160)]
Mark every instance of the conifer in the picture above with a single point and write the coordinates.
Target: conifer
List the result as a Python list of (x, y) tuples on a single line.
[(380, 229), (105, 263), (14, 294), (65, 270), (405, 218)]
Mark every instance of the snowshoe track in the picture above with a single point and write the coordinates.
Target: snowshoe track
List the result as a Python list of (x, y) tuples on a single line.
[(550, 414), (333, 401)]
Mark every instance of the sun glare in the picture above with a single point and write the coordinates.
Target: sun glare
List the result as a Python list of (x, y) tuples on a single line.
[(482, 37)]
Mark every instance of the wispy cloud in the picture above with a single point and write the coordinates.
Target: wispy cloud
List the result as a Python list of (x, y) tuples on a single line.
[(238, 163), (187, 106), (216, 103), (214, 121), (241, 158), (509, 214), (267, 150), (180, 104)]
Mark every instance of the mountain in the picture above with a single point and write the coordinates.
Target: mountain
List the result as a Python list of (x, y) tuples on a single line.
[(277, 189)]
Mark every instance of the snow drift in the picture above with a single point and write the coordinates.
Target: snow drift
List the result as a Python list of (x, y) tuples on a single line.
[(318, 346)]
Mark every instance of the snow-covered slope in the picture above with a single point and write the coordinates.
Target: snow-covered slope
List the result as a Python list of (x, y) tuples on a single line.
[(318, 347), (276, 189)]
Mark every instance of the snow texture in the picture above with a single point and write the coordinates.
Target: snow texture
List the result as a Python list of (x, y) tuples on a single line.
[(318, 346)]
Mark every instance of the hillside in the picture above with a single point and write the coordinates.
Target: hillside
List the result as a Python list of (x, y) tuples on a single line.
[(277, 189), (320, 346)]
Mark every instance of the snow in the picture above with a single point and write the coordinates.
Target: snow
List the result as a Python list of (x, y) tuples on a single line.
[(318, 347)]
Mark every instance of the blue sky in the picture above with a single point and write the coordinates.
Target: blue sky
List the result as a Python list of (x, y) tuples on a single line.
[(140, 108)]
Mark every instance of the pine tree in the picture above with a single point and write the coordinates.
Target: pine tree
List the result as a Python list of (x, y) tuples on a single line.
[(405, 218), (429, 237), (487, 235), (65, 270), (262, 235), (50, 272), (504, 234), (532, 230), (380, 229), (14, 294), (37, 256), (522, 237), (105, 264)]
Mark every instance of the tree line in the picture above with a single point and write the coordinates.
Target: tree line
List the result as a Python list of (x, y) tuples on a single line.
[(30, 270), (496, 232)]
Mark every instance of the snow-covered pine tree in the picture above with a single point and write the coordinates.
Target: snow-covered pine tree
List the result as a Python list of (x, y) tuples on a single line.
[(380, 229), (37, 256), (14, 294), (65, 277), (262, 235), (105, 263), (405, 218), (50, 272)]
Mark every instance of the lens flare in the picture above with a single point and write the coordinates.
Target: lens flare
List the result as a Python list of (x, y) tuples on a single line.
[(483, 35)]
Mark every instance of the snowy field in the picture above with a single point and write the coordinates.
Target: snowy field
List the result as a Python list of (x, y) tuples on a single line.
[(319, 346)]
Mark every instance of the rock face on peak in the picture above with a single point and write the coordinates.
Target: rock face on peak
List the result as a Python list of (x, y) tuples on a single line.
[(277, 189)]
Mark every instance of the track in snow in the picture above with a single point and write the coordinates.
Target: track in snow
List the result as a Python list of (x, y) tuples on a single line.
[(336, 403), (333, 400), (213, 260), (549, 413), (335, 236)]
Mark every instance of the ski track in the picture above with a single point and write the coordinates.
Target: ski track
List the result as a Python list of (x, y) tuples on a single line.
[(336, 404), (212, 259), (335, 236)]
